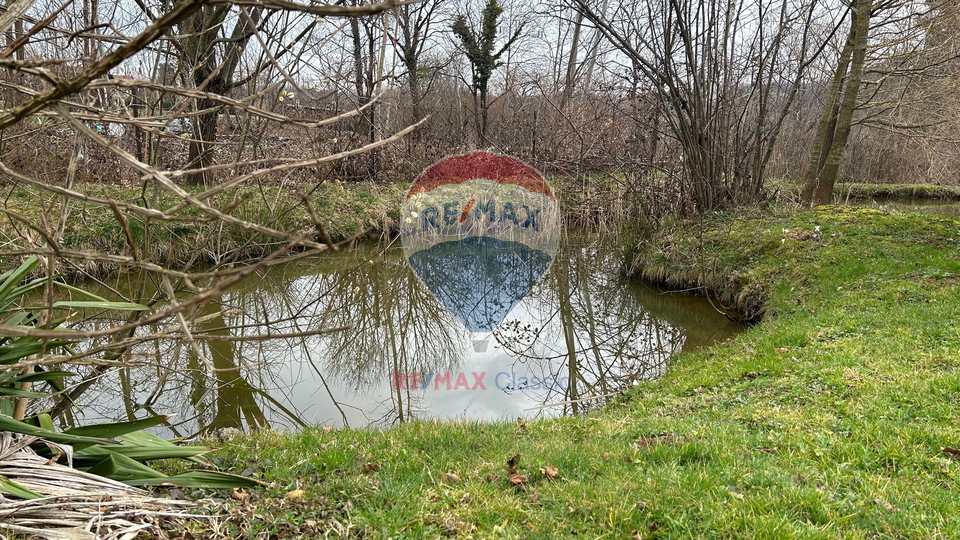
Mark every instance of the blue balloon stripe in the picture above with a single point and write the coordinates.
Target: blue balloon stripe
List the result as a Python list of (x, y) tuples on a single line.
[(480, 278)]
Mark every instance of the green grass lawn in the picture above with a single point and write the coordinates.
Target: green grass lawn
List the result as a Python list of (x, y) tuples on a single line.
[(837, 416)]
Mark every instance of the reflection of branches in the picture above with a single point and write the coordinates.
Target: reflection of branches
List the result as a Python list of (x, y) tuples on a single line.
[(399, 325), (67, 82), (607, 343)]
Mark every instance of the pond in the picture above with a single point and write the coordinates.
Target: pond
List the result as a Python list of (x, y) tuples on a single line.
[(583, 334), (909, 204)]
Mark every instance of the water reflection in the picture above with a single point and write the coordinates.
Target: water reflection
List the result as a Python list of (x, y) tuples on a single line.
[(583, 333), (908, 204)]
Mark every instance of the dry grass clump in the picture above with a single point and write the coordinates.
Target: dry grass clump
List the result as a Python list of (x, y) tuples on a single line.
[(74, 505)]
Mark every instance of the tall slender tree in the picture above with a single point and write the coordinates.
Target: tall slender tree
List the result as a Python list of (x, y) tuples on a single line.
[(835, 122), (416, 24), (479, 45)]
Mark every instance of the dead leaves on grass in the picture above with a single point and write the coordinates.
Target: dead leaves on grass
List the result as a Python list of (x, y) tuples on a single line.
[(452, 478), (551, 473), (952, 452), (517, 480), (297, 495), (513, 463)]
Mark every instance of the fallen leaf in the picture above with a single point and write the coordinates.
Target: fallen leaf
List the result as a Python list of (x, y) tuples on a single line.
[(653, 527), (372, 467), (295, 495), (466, 498), (884, 504), (606, 456), (451, 477), (239, 494), (628, 459), (952, 452), (656, 438), (517, 479), (512, 464), (550, 472)]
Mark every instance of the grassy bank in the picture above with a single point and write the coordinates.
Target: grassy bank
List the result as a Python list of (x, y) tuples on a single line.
[(346, 210), (834, 418), (856, 191)]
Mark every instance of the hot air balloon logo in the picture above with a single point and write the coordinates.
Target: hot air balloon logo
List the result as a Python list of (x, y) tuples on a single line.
[(480, 230)]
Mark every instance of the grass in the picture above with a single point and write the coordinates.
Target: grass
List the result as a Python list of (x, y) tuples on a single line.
[(836, 417), (345, 210), (856, 191)]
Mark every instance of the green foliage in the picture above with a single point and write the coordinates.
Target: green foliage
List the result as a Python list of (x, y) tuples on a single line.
[(120, 451), (115, 450), (480, 45), (14, 349)]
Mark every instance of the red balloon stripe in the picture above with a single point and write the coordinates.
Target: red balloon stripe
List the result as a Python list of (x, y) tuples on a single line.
[(460, 169)]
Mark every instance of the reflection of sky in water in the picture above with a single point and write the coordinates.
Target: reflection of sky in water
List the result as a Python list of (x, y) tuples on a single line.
[(622, 331)]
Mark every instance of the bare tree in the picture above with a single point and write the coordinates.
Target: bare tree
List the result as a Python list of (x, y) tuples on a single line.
[(417, 25), (892, 54), (77, 106), (212, 56), (727, 73)]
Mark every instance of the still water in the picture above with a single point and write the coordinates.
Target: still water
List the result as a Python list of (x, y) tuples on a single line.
[(929, 206), (582, 334)]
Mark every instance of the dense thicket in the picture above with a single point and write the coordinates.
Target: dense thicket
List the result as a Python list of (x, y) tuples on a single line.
[(706, 100)]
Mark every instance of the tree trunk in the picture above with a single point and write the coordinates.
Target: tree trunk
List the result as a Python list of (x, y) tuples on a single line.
[(570, 78), (835, 123), (484, 107), (213, 77), (204, 133), (413, 80)]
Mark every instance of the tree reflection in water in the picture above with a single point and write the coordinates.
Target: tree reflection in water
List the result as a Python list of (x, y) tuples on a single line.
[(582, 322), (603, 333)]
